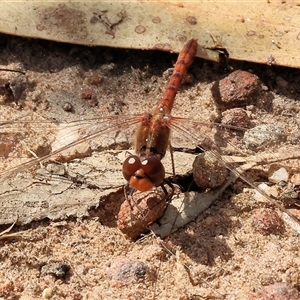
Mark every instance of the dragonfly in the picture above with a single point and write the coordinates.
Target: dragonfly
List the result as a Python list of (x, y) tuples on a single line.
[(144, 171)]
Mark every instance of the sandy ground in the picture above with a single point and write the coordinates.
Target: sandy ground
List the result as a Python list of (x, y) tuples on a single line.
[(229, 252)]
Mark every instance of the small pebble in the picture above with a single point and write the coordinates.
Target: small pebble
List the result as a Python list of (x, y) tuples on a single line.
[(263, 135), (239, 88), (267, 221), (235, 117), (208, 171), (47, 293), (270, 190), (279, 175), (68, 107), (277, 291), (59, 270), (124, 271)]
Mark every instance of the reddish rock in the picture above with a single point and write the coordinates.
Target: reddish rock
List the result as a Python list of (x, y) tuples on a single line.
[(140, 210), (239, 88), (267, 221), (277, 291), (124, 272), (235, 117)]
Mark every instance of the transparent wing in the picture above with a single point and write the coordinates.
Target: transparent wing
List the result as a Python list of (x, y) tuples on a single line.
[(43, 139), (31, 191), (239, 150), (231, 146)]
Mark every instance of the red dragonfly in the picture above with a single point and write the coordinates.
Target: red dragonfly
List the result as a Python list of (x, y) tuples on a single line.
[(144, 170)]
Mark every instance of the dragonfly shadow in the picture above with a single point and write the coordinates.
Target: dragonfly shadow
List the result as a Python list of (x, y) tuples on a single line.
[(204, 240), (108, 208)]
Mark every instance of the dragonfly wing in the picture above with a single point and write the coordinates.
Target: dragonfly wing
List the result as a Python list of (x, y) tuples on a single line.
[(214, 138), (63, 138), (31, 192)]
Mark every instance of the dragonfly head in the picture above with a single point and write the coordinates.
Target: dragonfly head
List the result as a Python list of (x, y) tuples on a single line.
[(143, 174)]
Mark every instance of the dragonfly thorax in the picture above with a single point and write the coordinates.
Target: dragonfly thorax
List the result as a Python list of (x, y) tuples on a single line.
[(153, 137)]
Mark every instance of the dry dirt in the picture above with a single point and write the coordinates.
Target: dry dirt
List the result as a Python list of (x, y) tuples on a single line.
[(228, 252)]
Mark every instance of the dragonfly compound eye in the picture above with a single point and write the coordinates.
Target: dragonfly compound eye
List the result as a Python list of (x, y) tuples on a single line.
[(154, 170), (130, 166), (143, 175)]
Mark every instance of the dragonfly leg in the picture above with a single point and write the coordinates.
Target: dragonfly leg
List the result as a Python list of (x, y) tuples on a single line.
[(172, 161)]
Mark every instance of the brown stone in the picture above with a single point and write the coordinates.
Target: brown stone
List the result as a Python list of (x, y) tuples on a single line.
[(235, 117), (239, 88)]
